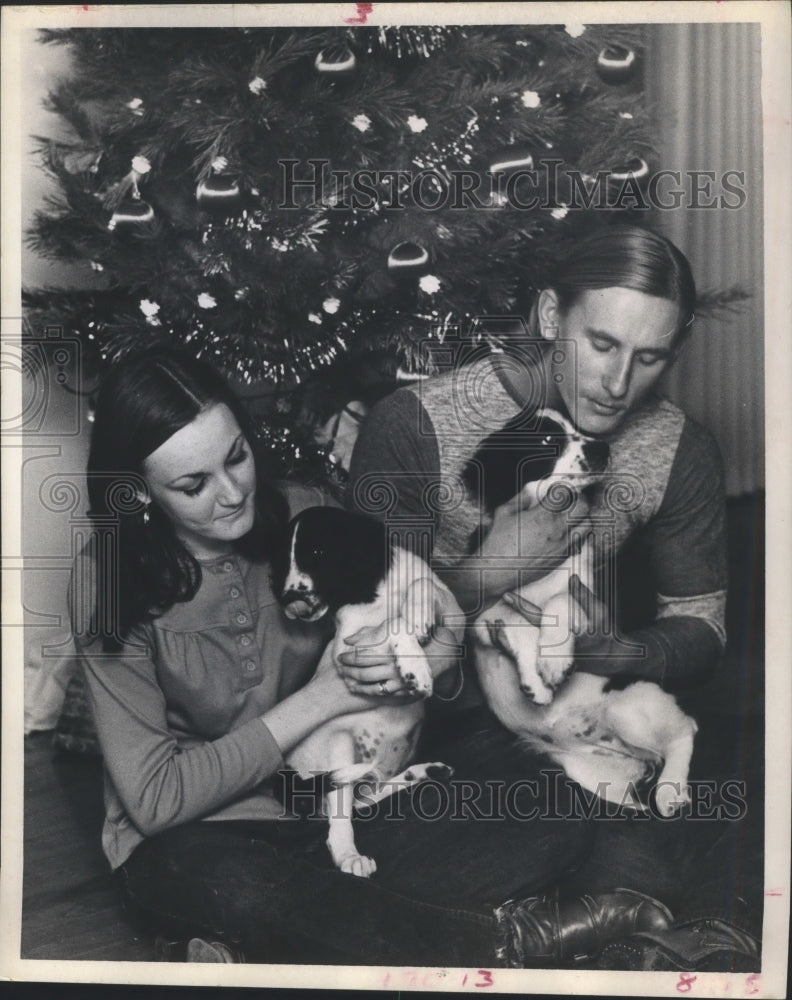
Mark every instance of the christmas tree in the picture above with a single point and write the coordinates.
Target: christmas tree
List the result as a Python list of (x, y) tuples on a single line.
[(314, 210)]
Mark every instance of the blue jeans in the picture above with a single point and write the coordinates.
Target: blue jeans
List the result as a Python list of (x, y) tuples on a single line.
[(507, 826), (445, 859)]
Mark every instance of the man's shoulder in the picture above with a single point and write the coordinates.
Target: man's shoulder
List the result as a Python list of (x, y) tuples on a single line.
[(650, 433), (661, 431), (658, 408), (442, 382), (469, 400), (696, 441)]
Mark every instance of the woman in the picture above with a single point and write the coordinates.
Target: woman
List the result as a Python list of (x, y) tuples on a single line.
[(199, 686)]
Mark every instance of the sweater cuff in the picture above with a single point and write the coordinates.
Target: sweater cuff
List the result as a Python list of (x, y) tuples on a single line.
[(676, 653), (272, 757)]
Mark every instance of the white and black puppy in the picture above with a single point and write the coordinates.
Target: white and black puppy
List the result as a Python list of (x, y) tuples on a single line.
[(606, 740), (340, 563)]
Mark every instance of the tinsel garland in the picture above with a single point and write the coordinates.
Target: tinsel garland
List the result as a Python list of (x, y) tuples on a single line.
[(200, 250)]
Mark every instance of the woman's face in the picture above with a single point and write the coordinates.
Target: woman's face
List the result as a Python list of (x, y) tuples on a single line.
[(204, 479)]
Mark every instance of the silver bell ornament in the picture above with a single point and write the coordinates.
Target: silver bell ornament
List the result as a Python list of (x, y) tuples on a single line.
[(616, 64), (130, 214), (219, 191), (407, 259), (128, 208), (335, 62)]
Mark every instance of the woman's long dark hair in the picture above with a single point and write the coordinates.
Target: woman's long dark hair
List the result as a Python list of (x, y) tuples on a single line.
[(142, 402)]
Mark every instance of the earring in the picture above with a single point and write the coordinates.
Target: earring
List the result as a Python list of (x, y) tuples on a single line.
[(146, 515), (550, 332)]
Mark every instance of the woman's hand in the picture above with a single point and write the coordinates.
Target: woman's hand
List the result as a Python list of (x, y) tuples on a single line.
[(330, 688), (323, 698), (369, 666)]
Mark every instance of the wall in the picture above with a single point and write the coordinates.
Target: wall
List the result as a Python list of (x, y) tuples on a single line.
[(60, 448), (705, 79)]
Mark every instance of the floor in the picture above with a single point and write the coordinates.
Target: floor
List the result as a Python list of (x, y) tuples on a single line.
[(70, 909)]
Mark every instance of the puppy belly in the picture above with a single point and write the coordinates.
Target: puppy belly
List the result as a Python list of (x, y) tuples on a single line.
[(384, 738)]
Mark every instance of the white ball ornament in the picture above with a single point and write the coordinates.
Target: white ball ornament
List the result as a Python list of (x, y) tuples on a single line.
[(150, 310), (430, 284), (140, 164), (362, 123)]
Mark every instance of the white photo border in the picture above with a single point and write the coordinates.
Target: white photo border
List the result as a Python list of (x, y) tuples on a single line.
[(776, 88)]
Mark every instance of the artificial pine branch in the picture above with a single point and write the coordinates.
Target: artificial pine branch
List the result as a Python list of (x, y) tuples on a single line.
[(279, 297)]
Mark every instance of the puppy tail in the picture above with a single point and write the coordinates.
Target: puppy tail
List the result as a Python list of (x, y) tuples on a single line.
[(611, 774)]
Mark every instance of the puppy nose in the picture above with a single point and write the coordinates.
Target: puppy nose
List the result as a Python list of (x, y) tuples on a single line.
[(596, 454)]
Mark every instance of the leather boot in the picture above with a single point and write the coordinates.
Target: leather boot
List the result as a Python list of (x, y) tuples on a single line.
[(544, 930), (199, 950), (707, 945), (195, 950)]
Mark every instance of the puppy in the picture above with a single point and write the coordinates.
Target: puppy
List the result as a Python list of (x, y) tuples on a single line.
[(606, 740), (340, 563)]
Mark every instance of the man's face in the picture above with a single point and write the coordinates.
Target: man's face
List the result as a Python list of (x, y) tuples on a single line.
[(624, 341)]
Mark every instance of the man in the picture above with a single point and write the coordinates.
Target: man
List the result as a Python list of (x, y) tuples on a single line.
[(600, 336), (614, 320)]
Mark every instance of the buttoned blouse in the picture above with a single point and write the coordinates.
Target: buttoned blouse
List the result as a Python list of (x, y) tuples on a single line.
[(179, 710)]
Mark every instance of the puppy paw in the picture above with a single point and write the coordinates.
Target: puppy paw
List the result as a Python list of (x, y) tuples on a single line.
[(439, 772), (358, 864), (417, 678), (670, 796), (553, 670), (418, 609), (539, 694)]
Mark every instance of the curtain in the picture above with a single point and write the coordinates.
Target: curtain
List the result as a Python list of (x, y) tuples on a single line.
[(703, 81)]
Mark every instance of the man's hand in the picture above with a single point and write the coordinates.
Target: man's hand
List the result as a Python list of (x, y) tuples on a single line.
[(594, 631), (525, 526), (526, 541), (427, 604), (530, 612)]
